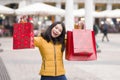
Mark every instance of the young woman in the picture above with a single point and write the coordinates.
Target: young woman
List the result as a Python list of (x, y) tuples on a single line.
[(51, 44)]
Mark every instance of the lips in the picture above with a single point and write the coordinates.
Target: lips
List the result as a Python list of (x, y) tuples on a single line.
[(55, 33)]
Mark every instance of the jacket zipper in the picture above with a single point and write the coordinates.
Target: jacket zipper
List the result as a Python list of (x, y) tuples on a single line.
[(55, 60)]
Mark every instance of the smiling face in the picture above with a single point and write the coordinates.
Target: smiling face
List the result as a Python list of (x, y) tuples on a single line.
[(56, 31)]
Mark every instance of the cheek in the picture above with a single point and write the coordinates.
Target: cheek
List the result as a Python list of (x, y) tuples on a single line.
[(52, 30), (60, 33), (52, 34)]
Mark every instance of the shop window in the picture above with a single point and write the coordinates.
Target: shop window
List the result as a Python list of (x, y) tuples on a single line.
[(100, 7)]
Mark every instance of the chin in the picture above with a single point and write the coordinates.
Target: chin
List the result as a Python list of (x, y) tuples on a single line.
[(53, 36)]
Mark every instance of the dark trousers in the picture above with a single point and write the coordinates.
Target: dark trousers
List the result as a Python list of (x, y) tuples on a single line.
[(105, 35), (62, 77)]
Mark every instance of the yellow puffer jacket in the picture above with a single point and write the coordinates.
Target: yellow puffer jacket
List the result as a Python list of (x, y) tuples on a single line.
[(52, 57)]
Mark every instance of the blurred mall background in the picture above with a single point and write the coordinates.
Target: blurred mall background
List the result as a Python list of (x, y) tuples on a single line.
[(42, 20)]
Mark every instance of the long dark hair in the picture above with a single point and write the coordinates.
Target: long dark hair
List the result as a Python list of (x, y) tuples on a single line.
[(60, 39)]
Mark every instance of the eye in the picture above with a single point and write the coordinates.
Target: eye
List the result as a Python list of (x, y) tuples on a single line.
[(60, 30), (56, 27)]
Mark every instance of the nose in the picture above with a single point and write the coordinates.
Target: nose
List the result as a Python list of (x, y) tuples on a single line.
[(57, 31)]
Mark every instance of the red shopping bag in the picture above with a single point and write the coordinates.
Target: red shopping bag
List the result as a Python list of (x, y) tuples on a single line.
[(80, 45), (23, 36)]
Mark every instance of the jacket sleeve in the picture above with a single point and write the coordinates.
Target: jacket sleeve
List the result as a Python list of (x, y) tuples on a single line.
[(37, 41)]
